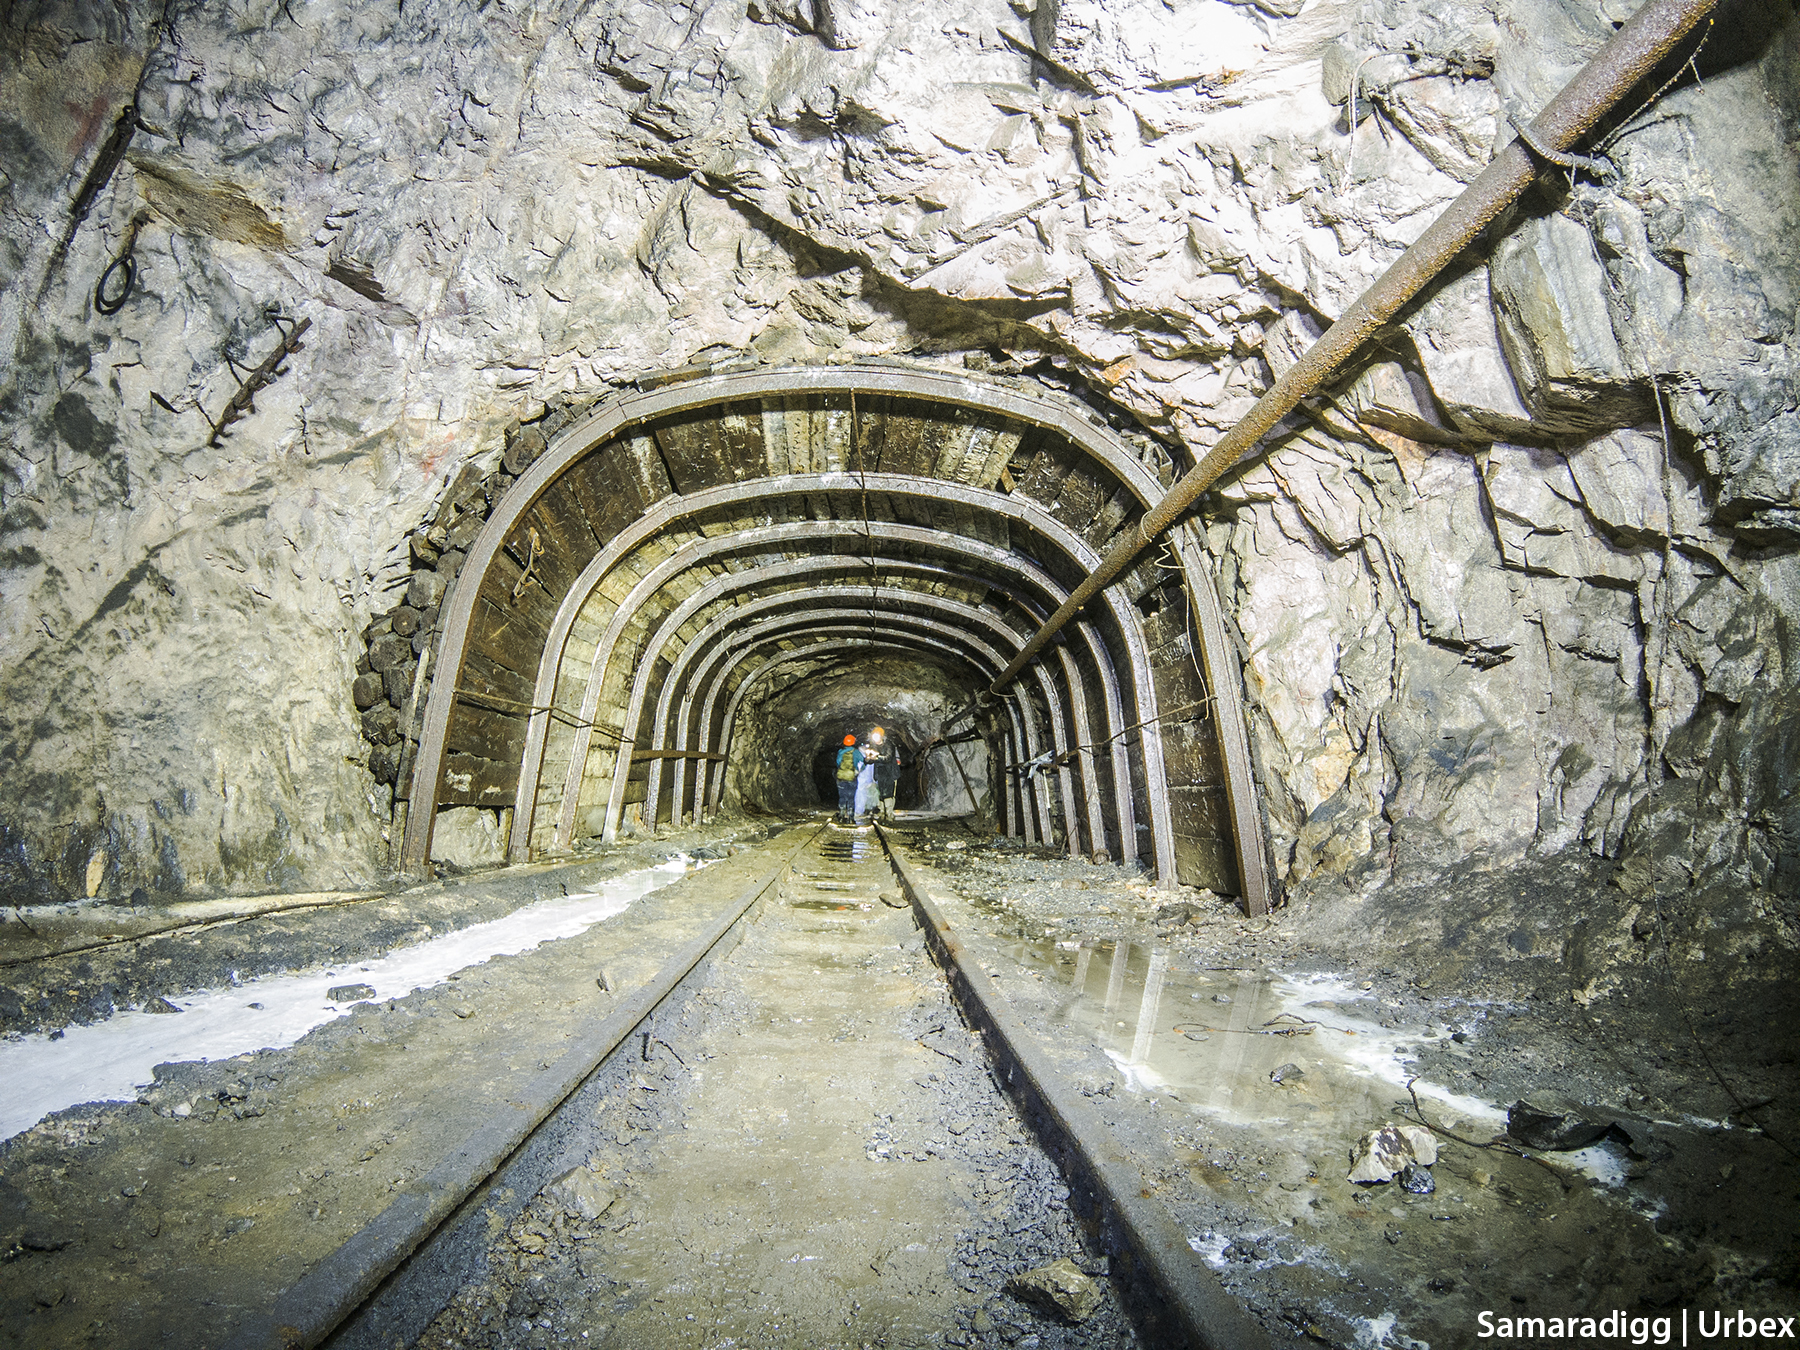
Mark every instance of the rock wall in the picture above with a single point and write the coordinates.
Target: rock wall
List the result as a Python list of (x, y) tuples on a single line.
[(1498, 597)]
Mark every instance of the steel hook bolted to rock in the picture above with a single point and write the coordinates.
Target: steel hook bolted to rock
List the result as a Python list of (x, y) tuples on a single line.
[(1631, 54), (126, 262), (244, 400)]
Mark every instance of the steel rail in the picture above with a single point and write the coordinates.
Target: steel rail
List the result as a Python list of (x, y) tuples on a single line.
[(823, 615), (1249, 837), (1183, 1302), (315, 1304), (839, 598), (1632, 52), (1032, 811)]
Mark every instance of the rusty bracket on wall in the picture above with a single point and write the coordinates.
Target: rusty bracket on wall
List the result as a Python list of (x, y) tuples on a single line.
[(98, 176), (244, 400), (530, 575)]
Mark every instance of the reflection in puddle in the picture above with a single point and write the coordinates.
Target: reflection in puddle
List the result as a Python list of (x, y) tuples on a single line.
[(1212, 1039)]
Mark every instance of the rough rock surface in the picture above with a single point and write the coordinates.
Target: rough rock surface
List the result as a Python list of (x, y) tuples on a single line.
[(1499, 598)]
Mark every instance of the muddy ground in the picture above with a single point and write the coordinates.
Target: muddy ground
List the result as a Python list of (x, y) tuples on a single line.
[(1499, 992), (818, 1158), (129, 1224)]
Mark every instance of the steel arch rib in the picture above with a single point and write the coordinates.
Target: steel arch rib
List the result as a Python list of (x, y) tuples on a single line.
[(1014, 818), (883, 566), (701, 640), (742, 612), (1019, 734), (1007, 825), (636, 407), (941, 541), (941, 604), (1024, 728), (1027, 514), (684, 558)]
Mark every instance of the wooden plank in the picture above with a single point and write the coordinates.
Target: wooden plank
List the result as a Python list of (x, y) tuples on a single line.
[(904, 449), (470, 780), (873, 418), (505, 638), (566, 541), (1118, 506), (741, 441), (778, 455), (636, 755), (1078, 501), (534, 605), (1191, 754), (996, 453), (1050, 464), (482, 731), (483, 677), (682, 442), (601, 507), (639, 468)]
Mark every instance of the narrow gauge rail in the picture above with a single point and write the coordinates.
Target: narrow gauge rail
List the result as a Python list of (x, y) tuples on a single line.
[(794, 1213)]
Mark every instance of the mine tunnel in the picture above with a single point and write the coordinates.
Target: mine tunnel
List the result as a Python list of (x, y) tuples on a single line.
[(1297, 499)]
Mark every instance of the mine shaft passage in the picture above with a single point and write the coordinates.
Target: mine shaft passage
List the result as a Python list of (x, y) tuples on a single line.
[(787, 745)]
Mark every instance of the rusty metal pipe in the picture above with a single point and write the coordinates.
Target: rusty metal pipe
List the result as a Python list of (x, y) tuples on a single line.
[(1631, 54)]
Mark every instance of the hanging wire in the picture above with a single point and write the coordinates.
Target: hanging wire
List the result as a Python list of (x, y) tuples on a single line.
[(496, 703), (1688, 65)]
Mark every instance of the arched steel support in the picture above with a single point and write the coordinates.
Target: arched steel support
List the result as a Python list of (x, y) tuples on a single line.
[(1018, 821), (689, 555), (638, 407), (835, 602), (1002, 560), (1023, 728), (1025, 513), (835, 596)]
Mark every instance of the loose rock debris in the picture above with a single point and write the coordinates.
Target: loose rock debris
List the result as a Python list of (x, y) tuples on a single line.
[(1381, 1154)]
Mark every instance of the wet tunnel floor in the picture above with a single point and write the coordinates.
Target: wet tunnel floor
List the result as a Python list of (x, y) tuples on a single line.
[(818, 1158), (766, 1169), (1239, 1070)]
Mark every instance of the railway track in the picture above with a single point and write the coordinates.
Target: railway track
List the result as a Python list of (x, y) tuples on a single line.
[(794, 1134)]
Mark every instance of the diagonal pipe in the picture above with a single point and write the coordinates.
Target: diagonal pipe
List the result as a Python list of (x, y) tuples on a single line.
[(1631, 54)]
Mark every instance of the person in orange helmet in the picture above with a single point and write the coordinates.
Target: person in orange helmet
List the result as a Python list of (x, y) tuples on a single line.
[(849, 768)]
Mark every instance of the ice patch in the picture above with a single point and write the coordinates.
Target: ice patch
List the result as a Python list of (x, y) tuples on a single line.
[(110, 1060), (1211, 1247)]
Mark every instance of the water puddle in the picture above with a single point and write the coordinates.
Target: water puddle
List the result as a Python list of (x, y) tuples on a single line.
[(109, 1060), (1308, 1056)]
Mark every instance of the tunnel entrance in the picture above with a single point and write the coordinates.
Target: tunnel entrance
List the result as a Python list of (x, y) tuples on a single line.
[(784, 751)]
